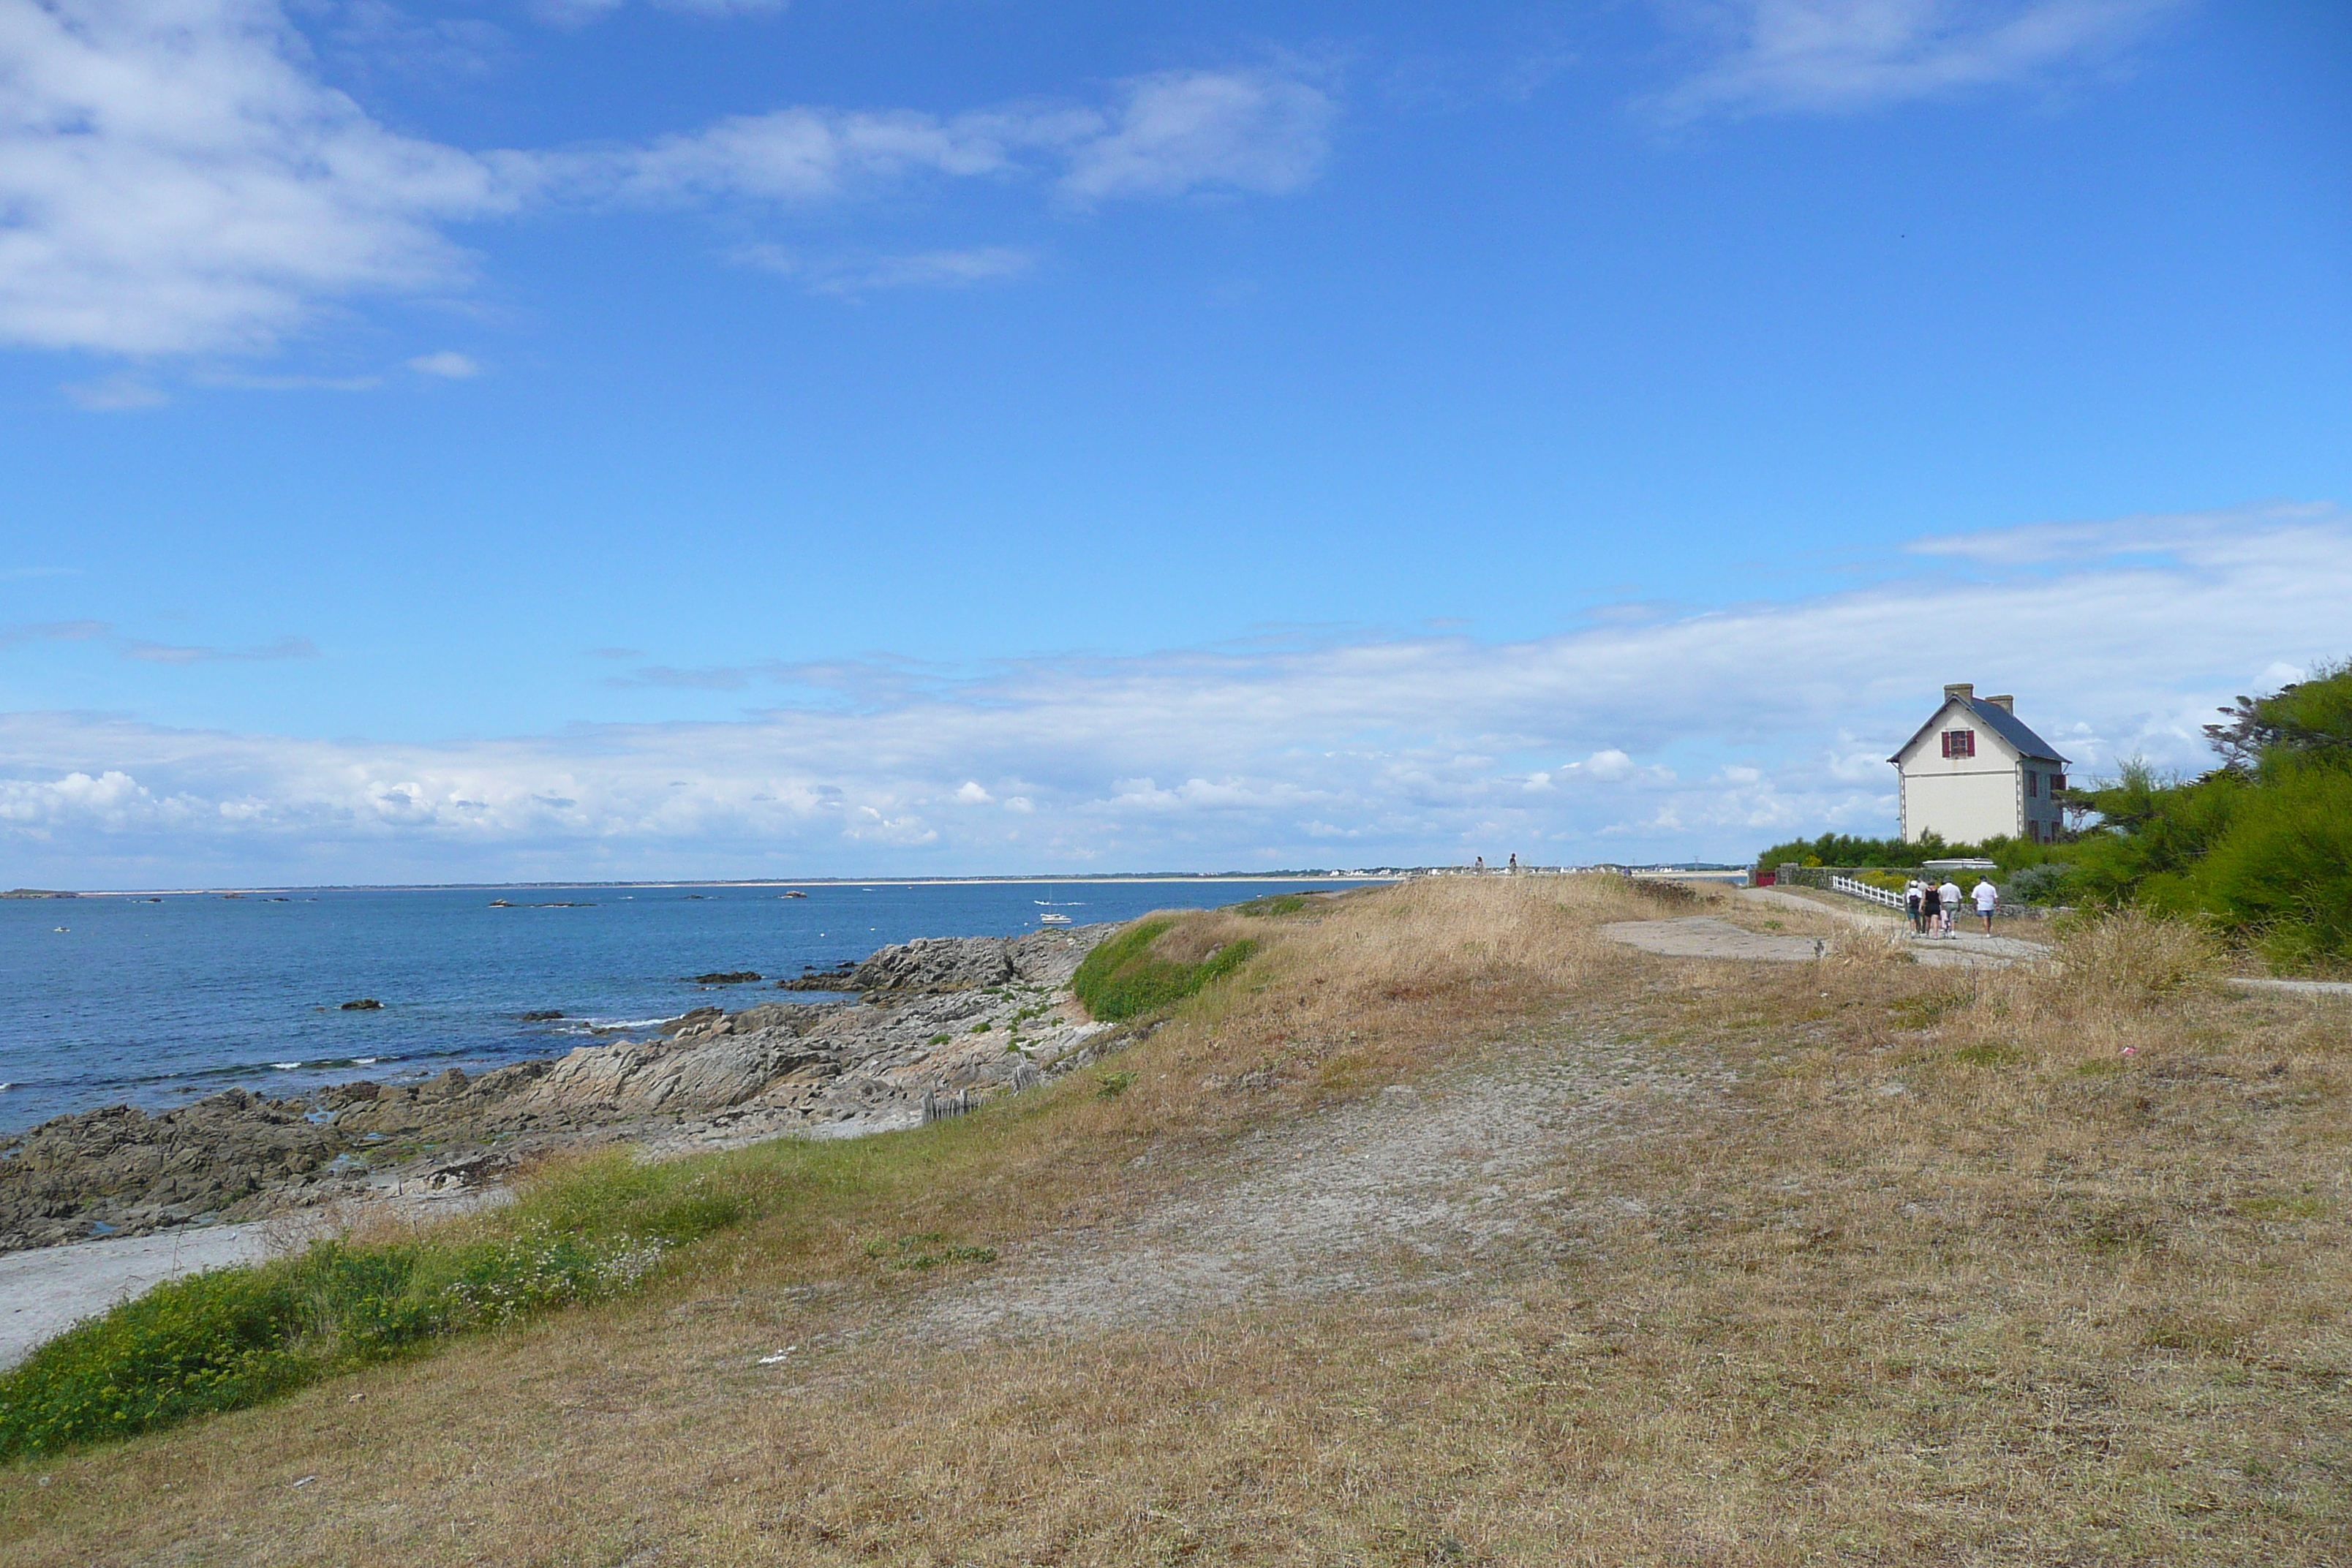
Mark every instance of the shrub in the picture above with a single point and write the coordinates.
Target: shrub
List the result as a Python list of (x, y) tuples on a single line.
[(2283, 872), (1150, 965), (2042, 884), (2137, 956)]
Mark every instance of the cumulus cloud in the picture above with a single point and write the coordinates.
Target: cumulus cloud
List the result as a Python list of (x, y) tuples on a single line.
[(174, 179), (1707, 735), (1840, 55)]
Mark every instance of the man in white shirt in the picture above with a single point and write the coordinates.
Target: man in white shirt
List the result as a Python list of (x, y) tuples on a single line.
[(1948, 899), (1986, 896)]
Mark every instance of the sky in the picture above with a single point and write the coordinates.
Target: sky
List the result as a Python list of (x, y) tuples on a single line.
[(607, 439)]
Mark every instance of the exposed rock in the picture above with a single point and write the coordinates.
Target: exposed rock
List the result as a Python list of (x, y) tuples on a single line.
[(124, 1169), (963, 963), (967, 1016), (364, 1004), (936, 963), (840, 978), (545, 1016), (729, 977)]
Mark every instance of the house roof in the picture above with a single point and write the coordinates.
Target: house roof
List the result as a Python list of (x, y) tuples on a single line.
[(1999, 721)]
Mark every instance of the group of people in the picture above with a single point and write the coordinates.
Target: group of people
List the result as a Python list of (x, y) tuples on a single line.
[(1933, 905)]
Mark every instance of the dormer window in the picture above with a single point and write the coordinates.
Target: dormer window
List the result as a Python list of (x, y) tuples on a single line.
[(1959, 742)]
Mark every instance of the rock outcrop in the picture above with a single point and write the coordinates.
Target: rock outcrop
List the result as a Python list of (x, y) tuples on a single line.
[(120, 1169), (980, 1015)]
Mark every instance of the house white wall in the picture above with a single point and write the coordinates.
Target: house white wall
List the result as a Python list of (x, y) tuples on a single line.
[(1997, 792), (1965, 800), (1966, 804)]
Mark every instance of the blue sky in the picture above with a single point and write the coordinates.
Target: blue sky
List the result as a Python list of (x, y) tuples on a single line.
[(478, 440)]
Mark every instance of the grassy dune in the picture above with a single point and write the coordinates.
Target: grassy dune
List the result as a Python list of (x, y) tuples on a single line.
[(1853, 1261)]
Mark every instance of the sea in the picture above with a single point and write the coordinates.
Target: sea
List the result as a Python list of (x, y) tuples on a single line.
[(158, 1000)]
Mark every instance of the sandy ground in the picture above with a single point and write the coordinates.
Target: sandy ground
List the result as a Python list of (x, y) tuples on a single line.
[(50, 1289)]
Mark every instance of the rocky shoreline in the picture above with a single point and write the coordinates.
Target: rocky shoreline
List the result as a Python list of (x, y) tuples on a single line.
[(938, 1022)]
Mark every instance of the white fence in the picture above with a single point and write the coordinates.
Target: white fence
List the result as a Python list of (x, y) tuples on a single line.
[(1865, 890)]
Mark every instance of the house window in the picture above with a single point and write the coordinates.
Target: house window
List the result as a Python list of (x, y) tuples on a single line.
[(2057, 782), (1959, 742), (2032, 784)]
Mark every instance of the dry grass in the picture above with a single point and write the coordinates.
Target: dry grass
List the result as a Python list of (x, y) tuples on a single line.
[(1926, 1266)]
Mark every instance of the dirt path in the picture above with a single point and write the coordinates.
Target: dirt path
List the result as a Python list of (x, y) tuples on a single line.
[(1964, 947), (1460, 1174), (1704, 936)]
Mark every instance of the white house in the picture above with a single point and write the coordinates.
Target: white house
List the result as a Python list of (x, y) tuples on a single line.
[(1974, 772)]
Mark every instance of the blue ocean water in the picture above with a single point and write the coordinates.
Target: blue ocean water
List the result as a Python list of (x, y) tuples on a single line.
[(105, 1000)]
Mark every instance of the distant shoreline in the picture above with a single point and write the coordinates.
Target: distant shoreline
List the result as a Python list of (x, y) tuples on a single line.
[(1386, 875)]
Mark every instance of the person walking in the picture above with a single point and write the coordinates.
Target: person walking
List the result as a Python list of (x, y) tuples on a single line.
[(1931, 909), (1948, 896), (1988, 899), (1912, 893)]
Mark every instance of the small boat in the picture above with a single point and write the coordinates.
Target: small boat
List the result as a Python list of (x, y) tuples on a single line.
[(1053, 920), (795, 893)]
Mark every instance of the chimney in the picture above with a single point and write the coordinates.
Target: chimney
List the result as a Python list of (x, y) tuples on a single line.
[(1964, 691), (2006, 704)]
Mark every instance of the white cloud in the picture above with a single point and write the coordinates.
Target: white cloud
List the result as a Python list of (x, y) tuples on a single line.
[(1839, 56), (1164, 135), (1607, 765), (1185, 131), (173, 181), (849, 276), (449, 363), (1704, 736)]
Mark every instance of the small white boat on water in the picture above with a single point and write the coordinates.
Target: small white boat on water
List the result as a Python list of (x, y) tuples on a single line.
[(1050, 918)]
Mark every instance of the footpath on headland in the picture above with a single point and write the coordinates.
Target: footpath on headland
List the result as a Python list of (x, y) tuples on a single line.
[(1443, 1229)]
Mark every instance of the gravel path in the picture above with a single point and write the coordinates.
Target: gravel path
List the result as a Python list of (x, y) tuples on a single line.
[(1460, 1174), (1704, 936), (1962, 948)]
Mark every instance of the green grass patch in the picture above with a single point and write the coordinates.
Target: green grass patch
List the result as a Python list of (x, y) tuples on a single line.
[(926, 1251), (1272, 905), (1124, 977), (233, 1337)]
